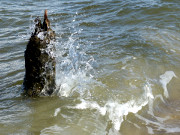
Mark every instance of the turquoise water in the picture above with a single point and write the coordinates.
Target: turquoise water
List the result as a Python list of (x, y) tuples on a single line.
[(117, 68)]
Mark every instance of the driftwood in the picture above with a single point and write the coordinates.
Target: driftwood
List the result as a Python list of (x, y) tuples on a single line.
[(40, 60)]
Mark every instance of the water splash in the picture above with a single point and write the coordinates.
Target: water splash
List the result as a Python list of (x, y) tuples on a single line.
[(165, 79), (74, 70), (115, 111), (159, 122)]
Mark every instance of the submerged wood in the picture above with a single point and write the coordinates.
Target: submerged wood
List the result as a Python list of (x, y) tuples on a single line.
[(40, 60)]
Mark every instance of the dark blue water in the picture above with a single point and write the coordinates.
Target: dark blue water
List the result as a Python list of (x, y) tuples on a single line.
[(117, 68)]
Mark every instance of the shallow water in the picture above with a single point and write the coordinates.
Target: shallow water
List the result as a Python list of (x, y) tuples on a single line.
[(117, 68)]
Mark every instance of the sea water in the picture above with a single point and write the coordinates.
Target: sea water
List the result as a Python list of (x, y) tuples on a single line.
[(117, 68)]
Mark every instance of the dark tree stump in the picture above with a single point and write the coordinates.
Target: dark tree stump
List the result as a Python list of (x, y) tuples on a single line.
[(40, 60)]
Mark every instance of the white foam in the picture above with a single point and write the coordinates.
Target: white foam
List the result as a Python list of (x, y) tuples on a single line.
[(150, 130), (150, 97), (114, 110), (90, 105), (75, 83), (55, 130), (165, 79), (57, 111), (40, 35), (148, 89)]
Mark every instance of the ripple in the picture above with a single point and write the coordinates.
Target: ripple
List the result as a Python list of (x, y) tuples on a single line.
[(88, 24), (91, 7), (109, 53)]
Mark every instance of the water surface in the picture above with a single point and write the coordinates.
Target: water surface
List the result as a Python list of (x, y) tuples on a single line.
[(117, 68)]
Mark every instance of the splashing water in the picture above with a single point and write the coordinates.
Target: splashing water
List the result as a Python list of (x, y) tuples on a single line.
[(74, 71), (165, 79), (117, 68), (75, 75), (115, 111)]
